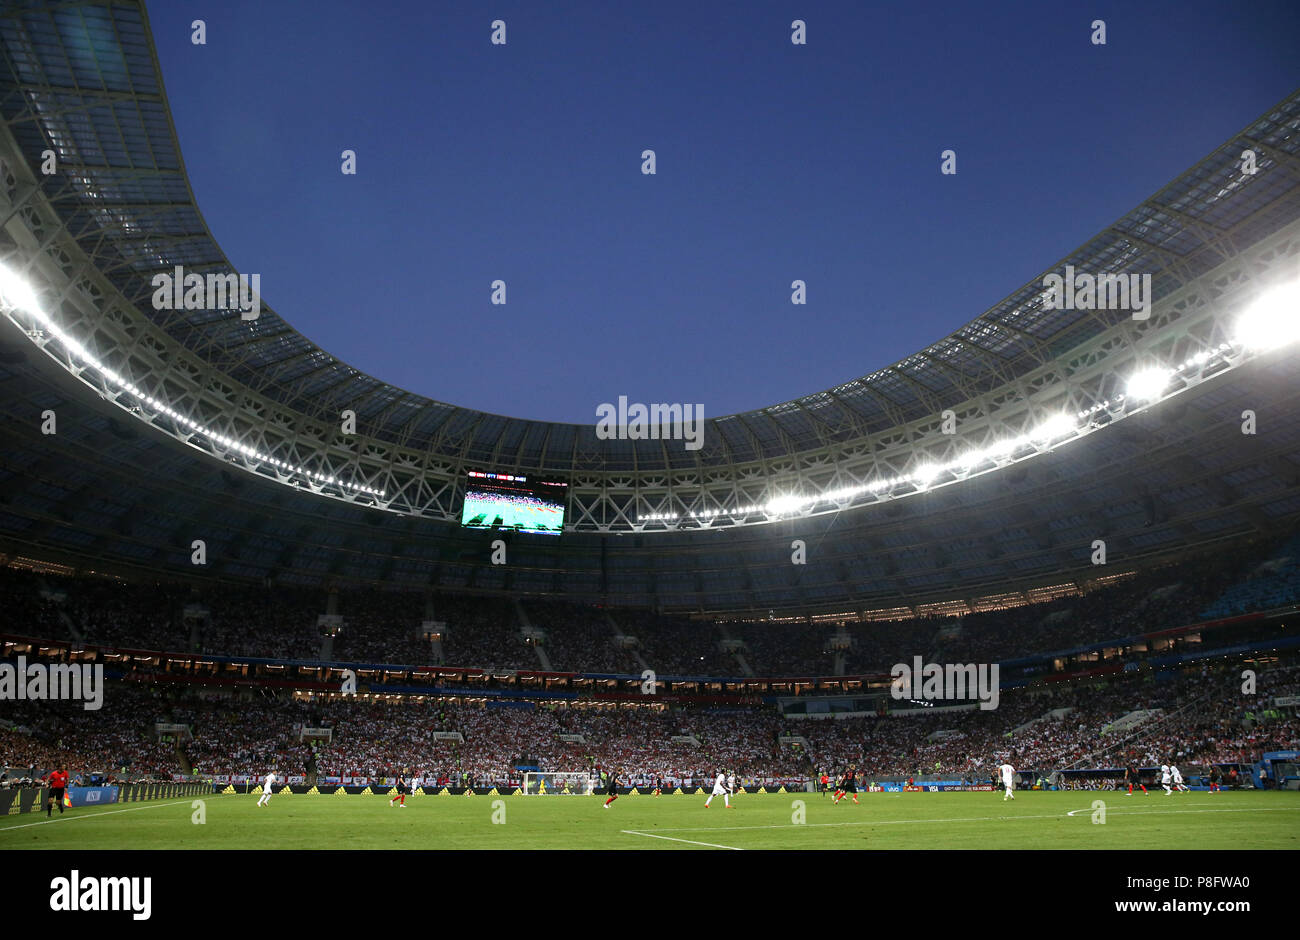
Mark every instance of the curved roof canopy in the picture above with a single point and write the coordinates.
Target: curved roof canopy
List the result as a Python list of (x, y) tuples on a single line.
[(83, 80)]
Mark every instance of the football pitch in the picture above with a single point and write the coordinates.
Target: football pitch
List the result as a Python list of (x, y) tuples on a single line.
[(1034, 820)]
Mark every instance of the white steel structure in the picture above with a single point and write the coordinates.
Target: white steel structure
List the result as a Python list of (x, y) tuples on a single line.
[(959, 472)]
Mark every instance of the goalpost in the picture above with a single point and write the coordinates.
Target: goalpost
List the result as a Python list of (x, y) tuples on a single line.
[(572, 783)]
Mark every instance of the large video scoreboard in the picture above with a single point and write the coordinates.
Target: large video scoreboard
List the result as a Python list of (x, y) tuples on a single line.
[(512, 502)]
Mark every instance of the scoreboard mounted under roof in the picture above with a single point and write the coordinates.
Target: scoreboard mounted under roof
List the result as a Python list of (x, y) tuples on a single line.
[(512, 502)]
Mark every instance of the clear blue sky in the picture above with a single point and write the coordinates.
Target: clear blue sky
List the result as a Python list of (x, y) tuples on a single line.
[(775, 162)]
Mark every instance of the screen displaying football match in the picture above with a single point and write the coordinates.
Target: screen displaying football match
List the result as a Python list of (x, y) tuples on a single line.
[(513, 502)]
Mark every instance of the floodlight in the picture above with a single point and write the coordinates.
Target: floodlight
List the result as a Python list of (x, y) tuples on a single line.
[(1273, 320), (1148, 384)]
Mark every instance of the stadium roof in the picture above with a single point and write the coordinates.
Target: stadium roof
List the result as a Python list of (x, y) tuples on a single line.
[(83, 80)]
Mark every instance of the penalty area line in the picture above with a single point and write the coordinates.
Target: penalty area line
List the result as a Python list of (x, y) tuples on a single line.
[(108, 812), (651, 835)]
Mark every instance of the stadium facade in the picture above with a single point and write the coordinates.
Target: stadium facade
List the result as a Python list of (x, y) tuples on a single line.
[(179, 424)]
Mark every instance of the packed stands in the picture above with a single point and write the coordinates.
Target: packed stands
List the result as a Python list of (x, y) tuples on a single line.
[(1198, 716)]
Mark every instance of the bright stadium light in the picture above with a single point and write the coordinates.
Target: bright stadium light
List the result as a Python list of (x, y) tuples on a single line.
[(926, 473), (972, 459), (1054, 427), (1272, 321), (784, 504), (1149, 383), (17, 291), (1000, 449)]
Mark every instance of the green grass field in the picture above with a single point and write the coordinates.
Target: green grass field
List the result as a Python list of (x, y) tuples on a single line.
[(1247, 820)]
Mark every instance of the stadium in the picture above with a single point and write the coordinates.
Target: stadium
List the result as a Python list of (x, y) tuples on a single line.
[(1053, 554)]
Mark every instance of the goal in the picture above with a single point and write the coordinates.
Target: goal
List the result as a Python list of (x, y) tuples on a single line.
[(568, 782)]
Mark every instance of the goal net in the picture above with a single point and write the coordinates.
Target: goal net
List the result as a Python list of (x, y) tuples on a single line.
[(565, 783)]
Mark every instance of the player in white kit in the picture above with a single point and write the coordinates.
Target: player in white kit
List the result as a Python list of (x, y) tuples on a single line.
[(719, 787), (265, 799), (1008, 774), (1176, 777), (1166, 778)]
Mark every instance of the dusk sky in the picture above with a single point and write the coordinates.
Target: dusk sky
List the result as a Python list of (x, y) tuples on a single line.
[(775, 162)]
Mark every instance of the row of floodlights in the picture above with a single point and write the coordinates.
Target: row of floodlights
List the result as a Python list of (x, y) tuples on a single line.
[(1269, 323), (16, 291)]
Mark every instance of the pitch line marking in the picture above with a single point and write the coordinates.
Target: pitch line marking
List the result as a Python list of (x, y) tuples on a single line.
[(865, 822), (108, 812), (1175, 812), (903, 822), (651, 835)]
